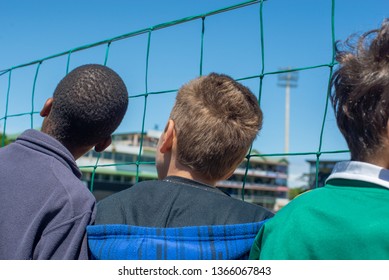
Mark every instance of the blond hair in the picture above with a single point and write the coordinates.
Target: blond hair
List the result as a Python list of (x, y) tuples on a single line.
[(216, 120)]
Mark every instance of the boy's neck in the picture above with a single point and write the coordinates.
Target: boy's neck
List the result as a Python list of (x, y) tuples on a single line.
[(192, 176)]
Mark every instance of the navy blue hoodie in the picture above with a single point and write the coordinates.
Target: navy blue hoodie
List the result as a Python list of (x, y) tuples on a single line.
[(45, 208)]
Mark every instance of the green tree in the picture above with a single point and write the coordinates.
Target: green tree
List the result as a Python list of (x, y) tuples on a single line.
[(293, 192), (3, 140)]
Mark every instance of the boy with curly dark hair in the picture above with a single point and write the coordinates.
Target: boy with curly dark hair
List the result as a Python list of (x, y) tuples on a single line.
[(45, 206)]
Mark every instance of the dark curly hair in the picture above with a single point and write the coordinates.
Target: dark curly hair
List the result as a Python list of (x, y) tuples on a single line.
[(88, 105), (361, 92)]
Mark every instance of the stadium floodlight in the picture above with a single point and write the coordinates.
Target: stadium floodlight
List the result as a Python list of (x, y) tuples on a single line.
[(287, 79)]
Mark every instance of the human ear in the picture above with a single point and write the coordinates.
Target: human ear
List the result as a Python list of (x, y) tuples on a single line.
[(101, 146), (47, 107), (167, 137)]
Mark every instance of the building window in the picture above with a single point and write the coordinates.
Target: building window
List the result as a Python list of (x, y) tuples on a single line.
[(282, 169), (94, 153), (147, 159), (280, 181), (107, 155), (105, 177)]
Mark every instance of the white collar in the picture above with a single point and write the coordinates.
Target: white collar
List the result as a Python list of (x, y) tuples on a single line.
[(361, 171)]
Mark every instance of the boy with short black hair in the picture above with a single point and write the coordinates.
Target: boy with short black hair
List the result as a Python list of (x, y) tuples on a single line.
[(45, 206)]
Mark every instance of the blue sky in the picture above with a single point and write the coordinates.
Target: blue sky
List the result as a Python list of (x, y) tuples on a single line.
[(296, 34)]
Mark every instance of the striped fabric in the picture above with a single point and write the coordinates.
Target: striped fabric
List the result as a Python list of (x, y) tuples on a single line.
[(125, 242)]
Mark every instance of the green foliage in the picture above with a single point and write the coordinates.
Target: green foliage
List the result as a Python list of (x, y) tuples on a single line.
[(5, 141), (293, 192)]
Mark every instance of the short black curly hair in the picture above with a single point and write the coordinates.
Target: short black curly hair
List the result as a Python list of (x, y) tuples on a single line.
[(361, 92), (88, 105)]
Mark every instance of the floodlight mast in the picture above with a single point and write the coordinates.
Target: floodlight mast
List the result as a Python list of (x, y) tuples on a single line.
[(287, 79)]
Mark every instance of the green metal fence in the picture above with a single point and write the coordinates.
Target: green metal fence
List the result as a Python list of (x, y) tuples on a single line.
[(259, 77)]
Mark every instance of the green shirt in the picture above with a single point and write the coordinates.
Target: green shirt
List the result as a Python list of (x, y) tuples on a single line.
[(346, 219)]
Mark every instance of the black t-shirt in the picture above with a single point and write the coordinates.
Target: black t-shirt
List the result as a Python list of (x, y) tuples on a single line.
[(176, 202)]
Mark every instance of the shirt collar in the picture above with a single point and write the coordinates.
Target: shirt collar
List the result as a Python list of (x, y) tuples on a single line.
[(361, 171), (192, 183)]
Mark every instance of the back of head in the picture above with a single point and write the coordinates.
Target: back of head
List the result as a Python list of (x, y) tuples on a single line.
[(88, 105), (361, 92), (216, 120)]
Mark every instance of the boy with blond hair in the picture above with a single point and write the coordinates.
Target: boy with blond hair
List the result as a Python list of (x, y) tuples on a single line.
[(211, 127)]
